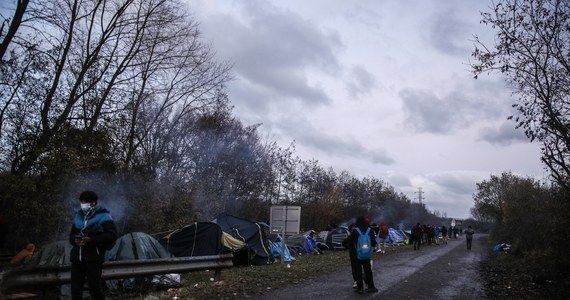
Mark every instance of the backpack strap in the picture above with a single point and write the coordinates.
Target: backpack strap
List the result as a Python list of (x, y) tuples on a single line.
[(367, 231), (360, 232)]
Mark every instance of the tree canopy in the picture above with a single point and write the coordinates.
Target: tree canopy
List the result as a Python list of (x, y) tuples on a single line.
[(532, 50)]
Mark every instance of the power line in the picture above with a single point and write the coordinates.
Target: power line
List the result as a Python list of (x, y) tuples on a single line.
[(420, 195)]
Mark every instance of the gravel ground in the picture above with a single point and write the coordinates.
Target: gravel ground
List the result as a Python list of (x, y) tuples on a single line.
[(434, 272)]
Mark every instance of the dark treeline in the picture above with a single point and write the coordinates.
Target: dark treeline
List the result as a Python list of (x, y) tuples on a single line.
[(123, 97)]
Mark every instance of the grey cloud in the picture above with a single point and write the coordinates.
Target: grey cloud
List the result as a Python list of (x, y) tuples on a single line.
[(399, 180), (275, 49), (361, 81), (448, 34), (333, 145), (503, 135), (455, 183), (427, 112)]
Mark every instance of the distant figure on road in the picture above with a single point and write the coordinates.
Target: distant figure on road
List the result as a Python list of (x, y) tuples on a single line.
[(437, 234), (444, 234), (469, 236), (417, 235)]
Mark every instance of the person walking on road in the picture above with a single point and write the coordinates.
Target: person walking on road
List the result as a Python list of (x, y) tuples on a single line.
[(363, 264), (469, 236), (417, 235), (444, 234)]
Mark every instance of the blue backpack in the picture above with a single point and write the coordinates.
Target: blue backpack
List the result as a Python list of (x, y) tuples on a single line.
[(363, 245)]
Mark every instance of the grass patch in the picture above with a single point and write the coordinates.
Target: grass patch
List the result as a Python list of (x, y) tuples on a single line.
[(239, 282)]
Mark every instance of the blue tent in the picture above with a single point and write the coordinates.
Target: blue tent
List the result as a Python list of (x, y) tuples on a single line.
[(395, 237)]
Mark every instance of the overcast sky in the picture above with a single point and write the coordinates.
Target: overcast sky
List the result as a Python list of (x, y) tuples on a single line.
[(376, 88)]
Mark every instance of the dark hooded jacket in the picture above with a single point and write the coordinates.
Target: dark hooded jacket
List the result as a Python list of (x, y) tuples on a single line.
[(100, 227)]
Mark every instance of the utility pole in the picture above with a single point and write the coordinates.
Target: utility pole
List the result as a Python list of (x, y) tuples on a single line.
[(420, 195)]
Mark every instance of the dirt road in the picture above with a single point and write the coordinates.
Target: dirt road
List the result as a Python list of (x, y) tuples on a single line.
[(434, 272)]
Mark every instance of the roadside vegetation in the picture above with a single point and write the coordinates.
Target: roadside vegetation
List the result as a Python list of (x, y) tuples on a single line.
[(532, 52)]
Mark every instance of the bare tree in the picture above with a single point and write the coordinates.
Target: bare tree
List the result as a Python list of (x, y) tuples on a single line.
[(102, 64), (9, 27), (532, 49)]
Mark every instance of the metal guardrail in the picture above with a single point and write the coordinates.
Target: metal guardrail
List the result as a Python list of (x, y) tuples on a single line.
[(47, 276)]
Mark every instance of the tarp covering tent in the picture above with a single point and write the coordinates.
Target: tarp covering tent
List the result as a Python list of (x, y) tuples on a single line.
[(311, 246), (258, 251), (395, 236), (52, 254), (136, 245), (277, 248), (405, 235), (198, 239), (336, 236), (297, 241)]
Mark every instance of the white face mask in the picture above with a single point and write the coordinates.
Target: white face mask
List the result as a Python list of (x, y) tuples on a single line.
[(85, 207)]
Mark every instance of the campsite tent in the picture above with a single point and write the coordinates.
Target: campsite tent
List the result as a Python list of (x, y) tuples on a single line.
[(336, 236), (136, 245), (52, 254), (395, 236), (198, 239), (258, 251)]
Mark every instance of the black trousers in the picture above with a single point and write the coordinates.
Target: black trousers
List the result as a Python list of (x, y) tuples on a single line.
[(92, 271), (469, 244), (354, 267), (417, 243), (364, 265)]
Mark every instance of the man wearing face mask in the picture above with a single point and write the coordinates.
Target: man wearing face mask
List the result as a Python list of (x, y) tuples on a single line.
[(92, 233)]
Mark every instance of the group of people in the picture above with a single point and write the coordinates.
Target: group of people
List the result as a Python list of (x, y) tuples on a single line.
[(429, 234), (362, 268)]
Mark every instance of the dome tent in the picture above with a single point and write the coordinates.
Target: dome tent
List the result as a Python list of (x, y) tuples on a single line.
[(258, 250)]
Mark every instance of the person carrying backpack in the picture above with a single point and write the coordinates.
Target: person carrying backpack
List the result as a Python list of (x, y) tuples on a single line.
[(363, 240)]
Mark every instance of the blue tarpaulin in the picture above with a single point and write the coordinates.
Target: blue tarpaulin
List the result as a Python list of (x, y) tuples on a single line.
[(276, 248), (394, 236)]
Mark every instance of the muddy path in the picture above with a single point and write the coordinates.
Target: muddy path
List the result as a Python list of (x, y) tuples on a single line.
[(434, 272)]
